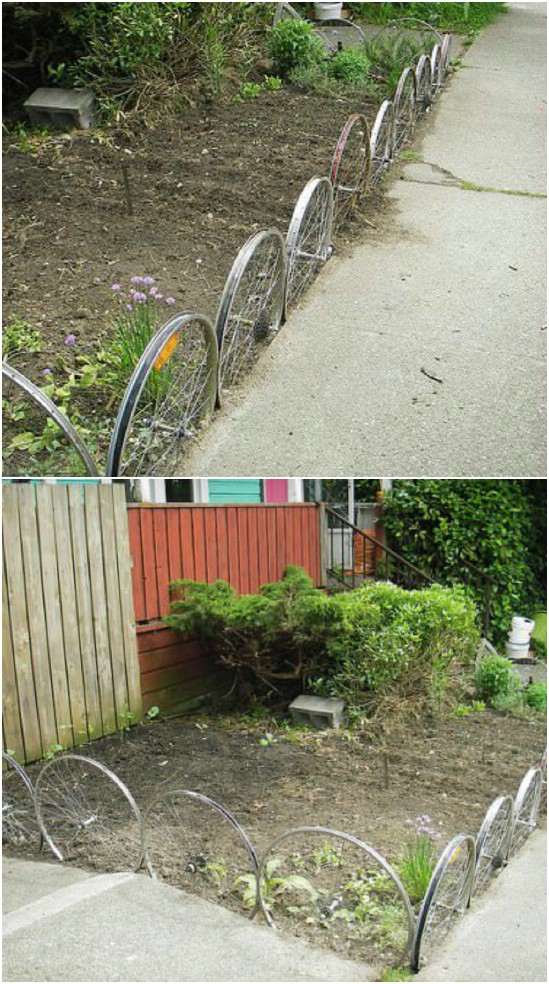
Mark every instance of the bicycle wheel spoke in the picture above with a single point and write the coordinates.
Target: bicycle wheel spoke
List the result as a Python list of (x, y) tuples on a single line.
[(381, 141), (526, 808), (493, 842), (195, 844), (309, 237), (320, 884), (404, 109), (252, 305), (87, 815), (350, 167), (447, 896), (20, 830)]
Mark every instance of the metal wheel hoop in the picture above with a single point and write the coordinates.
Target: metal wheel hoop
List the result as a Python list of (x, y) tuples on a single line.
[(381, 141), (355, 843), (436, 71), (328, 32), (424, 76), (157, 354), (526, 808), (349, 187), (446, 49), (41, 801), (259, 273), (404, 108), (395, 24), (441, 882), (7, 821), (309, 239), (37, 396), (492, 845), (285, 11), (209, 803)]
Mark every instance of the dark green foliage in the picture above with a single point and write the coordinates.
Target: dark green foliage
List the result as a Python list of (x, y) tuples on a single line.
[(409, 644), (497, 525), (496, 681), (351, 65), (389, 54), (463, 18), (535, 696), (275, 635), (293, 45)]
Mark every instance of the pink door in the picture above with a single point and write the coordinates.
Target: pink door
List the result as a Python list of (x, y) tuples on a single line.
[(276, 490)]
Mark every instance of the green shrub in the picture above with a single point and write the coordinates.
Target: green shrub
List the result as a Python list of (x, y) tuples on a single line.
[(463, 18), (350, 65), (535, 696), (409, 644), (539, 648), (496, 681), (293, 44)]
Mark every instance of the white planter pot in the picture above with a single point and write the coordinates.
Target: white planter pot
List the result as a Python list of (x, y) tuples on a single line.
[(328, 11)]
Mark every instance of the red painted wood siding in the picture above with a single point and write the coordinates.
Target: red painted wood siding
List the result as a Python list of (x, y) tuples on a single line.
[(174, 671), (243, 544)]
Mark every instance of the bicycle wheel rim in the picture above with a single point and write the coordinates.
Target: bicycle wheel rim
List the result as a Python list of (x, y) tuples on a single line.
[(492, 845), (187, 399), (423, 80), (426, 925), (381, 141), (404, 109), (526, 808), (19, 824), (252, 305), (309, 238), (73, 820), (53, 413), (196, 844), (350, 167), (327, 897)]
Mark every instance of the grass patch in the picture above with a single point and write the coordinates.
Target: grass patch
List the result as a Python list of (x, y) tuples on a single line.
[(472, 186)]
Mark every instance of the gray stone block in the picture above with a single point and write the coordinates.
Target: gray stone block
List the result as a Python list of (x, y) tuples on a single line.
[(61, 108), (321, 712)]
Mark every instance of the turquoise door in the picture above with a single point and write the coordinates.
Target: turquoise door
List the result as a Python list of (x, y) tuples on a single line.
[(234, 490)]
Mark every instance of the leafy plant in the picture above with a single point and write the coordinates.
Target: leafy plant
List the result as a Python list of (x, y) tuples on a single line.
[(268, 741), (293, 44), (252, 90), (152, 713), (350, 65), (274, 885), (19, 336), (535, 696), (465, 710), (459, 17), (496, 681)]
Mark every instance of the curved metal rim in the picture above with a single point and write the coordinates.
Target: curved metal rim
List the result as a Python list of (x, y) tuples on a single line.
[(433, 887), (328, 831), (385, 109), (237, 271), (141, 373), (533, 776), (399, 20), (436, 76), (206, 801), (445, 52), (340, 150), (285, 8), (486, 826), (311, 188), (406, 74), (20, 770), (55, 414), (423, 64), (110, 775)]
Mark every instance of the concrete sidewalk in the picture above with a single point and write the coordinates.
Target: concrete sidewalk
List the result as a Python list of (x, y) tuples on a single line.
[(455, 290), (61, 924)]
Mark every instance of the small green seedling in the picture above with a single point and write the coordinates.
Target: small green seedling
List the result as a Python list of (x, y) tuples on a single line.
[(268, 740)]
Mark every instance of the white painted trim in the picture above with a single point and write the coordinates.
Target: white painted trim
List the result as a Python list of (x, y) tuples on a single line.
[(201, 490), (295, 490), (152, 489)]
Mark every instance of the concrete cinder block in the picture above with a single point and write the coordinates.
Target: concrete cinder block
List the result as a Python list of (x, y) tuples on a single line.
[(321, 712), (62, 108)]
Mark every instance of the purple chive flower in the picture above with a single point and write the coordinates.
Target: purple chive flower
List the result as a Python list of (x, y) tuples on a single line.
[(153, 291), (70, 340), (170, 301), (148, 281), (46, 372), (159, 297), (129, 307), (139, 298), (137, 280)]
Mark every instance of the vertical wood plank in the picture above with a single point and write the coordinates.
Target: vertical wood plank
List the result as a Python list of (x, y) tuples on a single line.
[(161, 565), (280, 541), (243, 586), (271, 543), (138, 580), (253, 549), (174, 544), (122, 540), (199, 542), (67, 595), (36, 615), (15, 589), (210, 533), (99, 607), (222, 547), (232, 546), (84, 611), (12, 734), (263, 551), (186, 544), (52, 604), (305, 560), (149, 564), (112, 595)]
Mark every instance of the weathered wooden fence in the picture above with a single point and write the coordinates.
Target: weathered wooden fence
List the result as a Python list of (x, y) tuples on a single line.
[(245, 545), (70, 664)]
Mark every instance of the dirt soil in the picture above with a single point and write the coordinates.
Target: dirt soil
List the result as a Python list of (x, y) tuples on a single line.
[(371, 787)]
